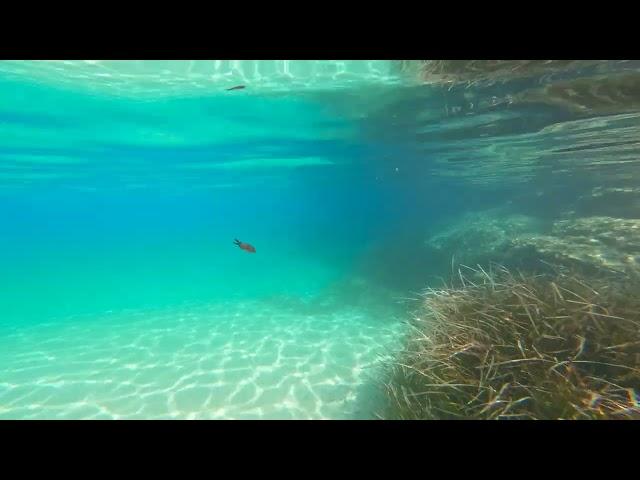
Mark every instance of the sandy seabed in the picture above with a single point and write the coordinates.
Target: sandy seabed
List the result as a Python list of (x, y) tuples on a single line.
[(242, 360)]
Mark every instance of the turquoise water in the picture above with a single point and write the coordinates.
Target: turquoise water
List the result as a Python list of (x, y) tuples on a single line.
[(124, 184)]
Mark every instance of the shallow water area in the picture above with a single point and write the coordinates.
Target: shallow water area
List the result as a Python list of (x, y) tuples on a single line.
[(234, 360), (360, 184)]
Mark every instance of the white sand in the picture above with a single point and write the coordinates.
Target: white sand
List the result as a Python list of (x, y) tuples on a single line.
[(218, 361)]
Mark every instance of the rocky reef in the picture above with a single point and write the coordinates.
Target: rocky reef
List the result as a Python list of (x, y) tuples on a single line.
[(602, 95), (588, 244), (620, 202), (478, 70), (480, 237)]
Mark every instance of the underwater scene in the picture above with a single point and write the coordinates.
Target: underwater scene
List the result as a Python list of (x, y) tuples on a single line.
[(320, 239)]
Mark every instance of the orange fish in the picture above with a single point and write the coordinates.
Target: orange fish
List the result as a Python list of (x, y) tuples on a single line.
[(245, 246)]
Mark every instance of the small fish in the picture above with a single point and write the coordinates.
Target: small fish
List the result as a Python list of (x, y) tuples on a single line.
[(238, 87), (245, 246)]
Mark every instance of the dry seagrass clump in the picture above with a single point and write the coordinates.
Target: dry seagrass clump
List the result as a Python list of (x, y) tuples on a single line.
[(500, 345)]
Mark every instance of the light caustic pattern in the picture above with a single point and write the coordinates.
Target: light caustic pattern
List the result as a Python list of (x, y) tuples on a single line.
[(223, 361), (177, 77)]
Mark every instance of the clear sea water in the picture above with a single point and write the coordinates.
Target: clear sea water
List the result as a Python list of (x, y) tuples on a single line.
[(124, 184)]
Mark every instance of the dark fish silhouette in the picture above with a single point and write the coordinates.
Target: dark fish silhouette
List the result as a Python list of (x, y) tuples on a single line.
[(244, 246), (238, 87)]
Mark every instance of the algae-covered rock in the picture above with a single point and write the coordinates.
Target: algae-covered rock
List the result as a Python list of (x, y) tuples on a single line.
[(607, 94), (481, 237), (588, 243), (591, 242), (623, 202), (478, 70)]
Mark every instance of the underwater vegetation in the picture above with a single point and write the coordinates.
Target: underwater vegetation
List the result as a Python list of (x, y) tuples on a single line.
[(549, 328), (357, 184), (497, 344)]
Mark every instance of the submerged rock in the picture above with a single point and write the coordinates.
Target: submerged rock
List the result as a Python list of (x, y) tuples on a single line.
[(591, 242), (586, 243), (603, 95), (623, 202), (479, 70), (481, 237)]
